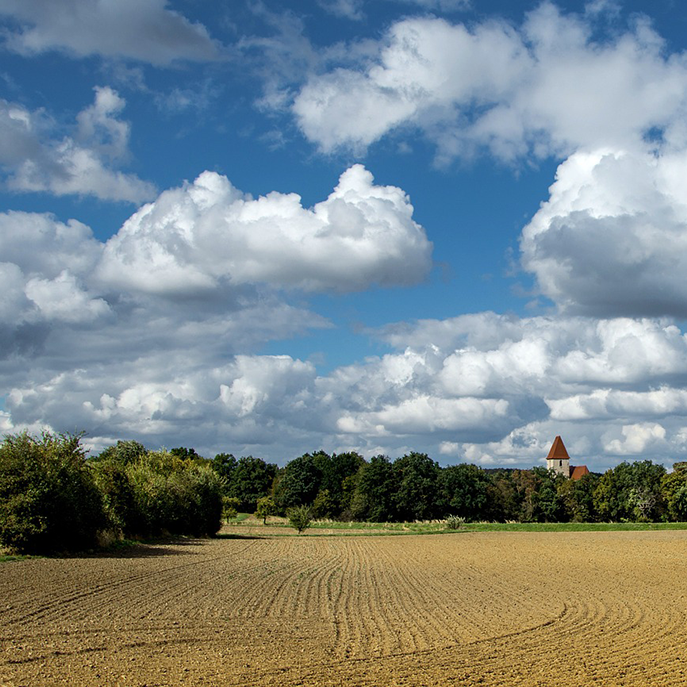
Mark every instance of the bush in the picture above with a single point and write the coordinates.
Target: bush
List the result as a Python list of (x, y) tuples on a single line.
[(174, 496), (454, 522), (49, 501), (300, 518), (160, 493)]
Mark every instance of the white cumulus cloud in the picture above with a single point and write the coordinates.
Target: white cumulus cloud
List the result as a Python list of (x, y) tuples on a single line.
[(612, 238), (546, 87), (35, 157), (194, 237)]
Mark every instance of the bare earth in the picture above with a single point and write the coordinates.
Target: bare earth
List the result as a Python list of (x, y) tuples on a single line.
[(465, 609)]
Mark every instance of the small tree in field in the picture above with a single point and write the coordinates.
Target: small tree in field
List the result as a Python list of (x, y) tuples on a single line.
[(300, 518), (266, 507)]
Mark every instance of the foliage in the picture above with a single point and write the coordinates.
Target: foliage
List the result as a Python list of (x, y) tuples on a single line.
[(577, 496), (251, 479), (161, 493), (338, 473), (298, 483), (224, 465), (454, 522), (49, 501), (674, 492), (300, 518), (265, 508), (123, 452), (230, 505), (631, 492), (377, 486), (463, 490), (415, 497)]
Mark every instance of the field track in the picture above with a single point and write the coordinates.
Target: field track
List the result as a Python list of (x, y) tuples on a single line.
[(501, 608)]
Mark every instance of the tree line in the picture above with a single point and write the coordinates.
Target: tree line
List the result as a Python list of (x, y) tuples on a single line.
[(55, 498), (345, 486)]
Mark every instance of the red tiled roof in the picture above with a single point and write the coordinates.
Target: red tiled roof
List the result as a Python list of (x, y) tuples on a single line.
[(578, 471), (558, 451)]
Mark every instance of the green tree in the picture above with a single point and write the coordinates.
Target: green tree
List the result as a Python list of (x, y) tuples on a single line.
[(503, 498), (630, 492), (300, 518), (337, 471), (123, 452), (170, 495), (251, 479), (224, 464), (463, 490), (375, 492), (265, 508), (49, 501), (298, 483), (674, 492), (416, 495), (577, 496)]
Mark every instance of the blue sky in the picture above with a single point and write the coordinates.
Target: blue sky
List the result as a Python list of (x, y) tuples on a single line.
[(271, 227)]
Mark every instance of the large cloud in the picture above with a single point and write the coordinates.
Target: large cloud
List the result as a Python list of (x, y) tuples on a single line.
[(87, 342), (195, 237), (612, 238), (138, 29), (37, 158), (547, 87)]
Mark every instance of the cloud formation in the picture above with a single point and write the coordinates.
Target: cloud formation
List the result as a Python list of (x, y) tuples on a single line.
[(544, 88), (36, 158), (195, 237), (136, 29), (612, 240)]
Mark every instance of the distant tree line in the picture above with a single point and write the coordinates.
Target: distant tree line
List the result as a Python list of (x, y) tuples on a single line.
[(345, 486), (54, 498)]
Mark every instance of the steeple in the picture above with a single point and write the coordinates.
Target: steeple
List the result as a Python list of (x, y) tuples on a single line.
[(558, 459)]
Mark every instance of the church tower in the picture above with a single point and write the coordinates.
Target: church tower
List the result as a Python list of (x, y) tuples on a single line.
[(558, 459)]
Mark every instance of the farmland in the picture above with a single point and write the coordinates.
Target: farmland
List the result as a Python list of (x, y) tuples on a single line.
[(491, 608)]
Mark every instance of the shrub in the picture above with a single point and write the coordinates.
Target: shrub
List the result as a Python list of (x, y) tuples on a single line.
[(454, 522), (300, 518), (49, 501), (174, 496)]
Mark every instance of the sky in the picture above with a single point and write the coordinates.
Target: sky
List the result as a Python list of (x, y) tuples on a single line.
[(267, 227)]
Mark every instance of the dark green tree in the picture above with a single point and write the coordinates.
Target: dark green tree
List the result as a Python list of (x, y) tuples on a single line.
[(224, 465), (337, 471), (416, 494), (252, 478), (578, 498), (463, 490), (298, 483), (374, 499)]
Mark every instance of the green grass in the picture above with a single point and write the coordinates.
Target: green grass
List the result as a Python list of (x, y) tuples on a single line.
[(240, 517), (274, 524), (7, 558), (573, 526)]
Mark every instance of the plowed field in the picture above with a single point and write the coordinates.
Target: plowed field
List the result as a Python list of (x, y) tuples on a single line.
[(606, 608)]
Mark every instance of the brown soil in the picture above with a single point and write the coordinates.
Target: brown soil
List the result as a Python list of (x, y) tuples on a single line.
[(464, 609)]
